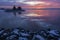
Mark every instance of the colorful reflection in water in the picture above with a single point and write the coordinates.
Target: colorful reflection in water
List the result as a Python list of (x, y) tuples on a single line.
[(33, 15), (31, 19)]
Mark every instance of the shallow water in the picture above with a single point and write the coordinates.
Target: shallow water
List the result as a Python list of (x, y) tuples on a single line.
[(31, 19)]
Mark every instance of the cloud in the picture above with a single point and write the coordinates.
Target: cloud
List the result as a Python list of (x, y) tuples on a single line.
[(39, 3)]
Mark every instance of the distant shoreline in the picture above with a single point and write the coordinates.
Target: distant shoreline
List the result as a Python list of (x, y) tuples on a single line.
[(34, 8), (45, 9)]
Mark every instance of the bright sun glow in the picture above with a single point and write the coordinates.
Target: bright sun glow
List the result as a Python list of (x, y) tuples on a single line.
[(33, 2)]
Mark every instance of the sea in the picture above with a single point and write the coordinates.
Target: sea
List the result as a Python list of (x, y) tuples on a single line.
[(31, 19)]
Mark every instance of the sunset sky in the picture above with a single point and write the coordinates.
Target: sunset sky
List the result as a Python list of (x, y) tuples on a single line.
[(31, 3)]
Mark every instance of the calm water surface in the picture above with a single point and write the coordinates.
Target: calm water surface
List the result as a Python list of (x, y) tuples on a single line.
[(31, 19)]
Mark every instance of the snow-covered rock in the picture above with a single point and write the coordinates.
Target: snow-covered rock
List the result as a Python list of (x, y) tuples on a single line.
[(24, 34), (22, 38), (54, 32), (16, 31), (38, 37)]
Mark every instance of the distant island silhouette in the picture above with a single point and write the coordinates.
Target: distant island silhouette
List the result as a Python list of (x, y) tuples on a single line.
[(14, 9)]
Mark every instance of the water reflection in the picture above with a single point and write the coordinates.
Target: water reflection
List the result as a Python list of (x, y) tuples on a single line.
[(32, 15), (15, 13), (31, 18)]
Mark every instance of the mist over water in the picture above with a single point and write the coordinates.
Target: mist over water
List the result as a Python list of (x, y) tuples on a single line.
[(31, 19)]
